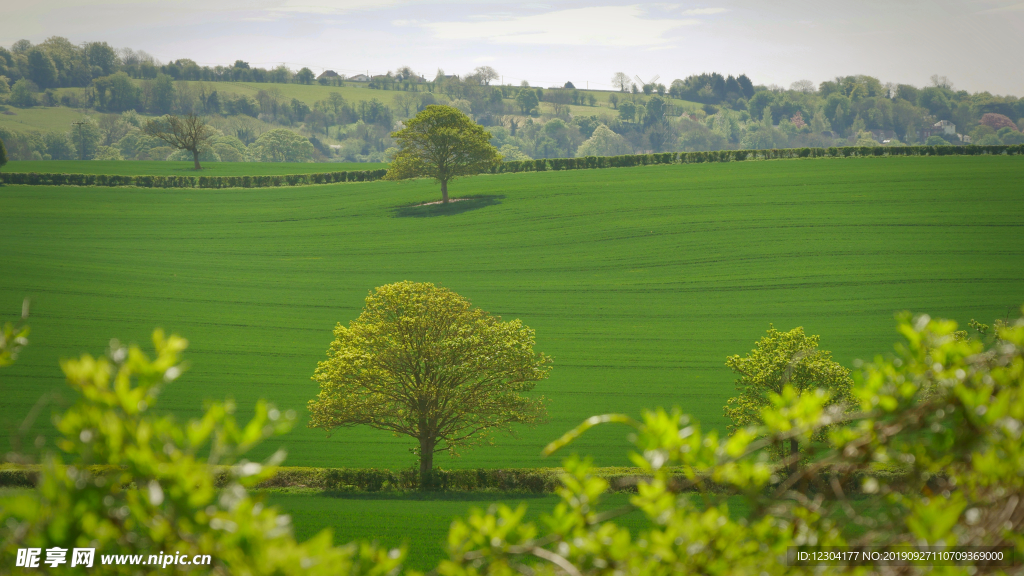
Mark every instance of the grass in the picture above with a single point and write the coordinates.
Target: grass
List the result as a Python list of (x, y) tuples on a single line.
[(418, 521), (39, 119), (638, 281), (139, 168)]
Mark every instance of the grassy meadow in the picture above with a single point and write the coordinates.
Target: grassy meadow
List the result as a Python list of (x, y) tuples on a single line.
[(40, 118), (59, 119), (157, 168), (638, 281)]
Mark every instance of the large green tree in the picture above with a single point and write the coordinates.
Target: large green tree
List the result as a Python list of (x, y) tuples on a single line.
[(421, 362), (442, 143), (783, 359)]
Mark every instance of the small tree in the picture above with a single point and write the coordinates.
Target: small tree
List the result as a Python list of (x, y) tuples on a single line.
[(420, 362), (621, 81), (527, 100), (486, 74), (442, 143), (305, 76), (781, 359), (184, 133), (3, 154)]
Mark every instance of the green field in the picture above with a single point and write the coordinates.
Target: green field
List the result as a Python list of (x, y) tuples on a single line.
[(40, 119), (418, 521), (139, 168), (638, 281)]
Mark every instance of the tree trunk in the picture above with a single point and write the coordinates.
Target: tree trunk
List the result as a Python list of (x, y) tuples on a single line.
[(426, 463), (195, 157), (444, 191), (794, 453)]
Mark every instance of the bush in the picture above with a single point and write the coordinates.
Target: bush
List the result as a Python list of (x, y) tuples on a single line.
[(152, 493), (944, 415)]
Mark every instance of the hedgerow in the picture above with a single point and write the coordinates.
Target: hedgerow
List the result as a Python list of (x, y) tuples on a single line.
[(57, 179), (541, 165)]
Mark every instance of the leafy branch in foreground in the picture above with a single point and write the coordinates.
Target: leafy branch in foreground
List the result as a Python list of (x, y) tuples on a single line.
[(946, 413), (156, 491), (13, 337)]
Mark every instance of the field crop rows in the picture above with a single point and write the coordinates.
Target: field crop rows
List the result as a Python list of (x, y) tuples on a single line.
[(638, 281)]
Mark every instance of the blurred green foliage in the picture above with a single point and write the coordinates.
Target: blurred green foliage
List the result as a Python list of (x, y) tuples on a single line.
[(161, 495)]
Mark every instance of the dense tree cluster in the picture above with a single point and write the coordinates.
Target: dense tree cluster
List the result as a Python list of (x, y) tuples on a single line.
[(57, 63), (709, 111)]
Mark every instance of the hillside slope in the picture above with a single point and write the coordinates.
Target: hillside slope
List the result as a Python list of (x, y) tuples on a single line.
[(639, 282)]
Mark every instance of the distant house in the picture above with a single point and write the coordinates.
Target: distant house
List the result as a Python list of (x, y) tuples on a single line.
[(882, 135), (940, 128), (359, 78), (329, 75)]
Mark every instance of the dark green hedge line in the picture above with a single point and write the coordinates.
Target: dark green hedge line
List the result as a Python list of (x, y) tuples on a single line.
[(740, 155), (54, 179), (528, 480), (588, 162)]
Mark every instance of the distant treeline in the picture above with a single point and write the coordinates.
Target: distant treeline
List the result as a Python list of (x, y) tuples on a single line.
[(731, 112)]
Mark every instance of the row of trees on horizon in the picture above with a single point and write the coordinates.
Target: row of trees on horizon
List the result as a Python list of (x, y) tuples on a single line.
[(708, 111)]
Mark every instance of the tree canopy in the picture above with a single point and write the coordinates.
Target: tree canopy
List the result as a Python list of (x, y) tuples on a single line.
[(442, 143), (189, 133), (783, 359), (420, 362), (280, 145)]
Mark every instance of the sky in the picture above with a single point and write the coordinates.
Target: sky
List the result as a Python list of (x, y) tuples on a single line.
[(976, 44)]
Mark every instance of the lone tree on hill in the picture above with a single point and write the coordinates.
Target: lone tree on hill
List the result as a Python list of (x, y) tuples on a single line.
[(784, 359), (441, 143), (420, 362), (184, 133)]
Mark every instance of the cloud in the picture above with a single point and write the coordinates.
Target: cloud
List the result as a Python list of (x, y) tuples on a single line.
[(623, 26), (704, 11), (326, 7), (1003, 9)]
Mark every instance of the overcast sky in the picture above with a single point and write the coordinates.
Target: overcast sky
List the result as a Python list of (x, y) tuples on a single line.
[(977, 44)]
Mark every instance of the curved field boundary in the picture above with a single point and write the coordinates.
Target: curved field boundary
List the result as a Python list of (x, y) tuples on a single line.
[(55, 179), (542, 165), (590, 162), (524, 480)]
